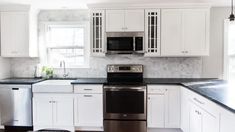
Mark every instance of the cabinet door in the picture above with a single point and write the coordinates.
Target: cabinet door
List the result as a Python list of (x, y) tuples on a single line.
[(210, 122), (115, 20), (172, 111), (195, 119), (227, 121), (134, 20), (156, 108), (195, 32), (97, 33), (42, 111), (89, 110), (14, 34), (63, 110), (152, 32), (185, 110), (171, 33)]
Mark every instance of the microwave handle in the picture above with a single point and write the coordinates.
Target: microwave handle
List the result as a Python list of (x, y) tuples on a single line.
[(134, 43)]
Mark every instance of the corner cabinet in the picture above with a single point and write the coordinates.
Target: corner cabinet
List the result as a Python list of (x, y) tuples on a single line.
[(198, 114), (152, 32), (98, 33)]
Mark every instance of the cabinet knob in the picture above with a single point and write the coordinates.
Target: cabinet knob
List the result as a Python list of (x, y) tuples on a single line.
[(186, 51), (182, 51)]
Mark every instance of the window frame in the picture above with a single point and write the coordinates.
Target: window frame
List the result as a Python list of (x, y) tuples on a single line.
[(86, 46), (227, 22)]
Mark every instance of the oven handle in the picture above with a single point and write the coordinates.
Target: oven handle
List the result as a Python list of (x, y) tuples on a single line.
[(125, 88)]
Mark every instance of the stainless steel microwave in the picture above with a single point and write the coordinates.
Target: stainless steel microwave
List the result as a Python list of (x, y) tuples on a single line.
[(125, 45)]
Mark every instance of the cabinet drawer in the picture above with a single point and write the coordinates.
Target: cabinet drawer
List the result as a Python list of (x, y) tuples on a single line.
[(157, 89), (204, 103), (84, 88)]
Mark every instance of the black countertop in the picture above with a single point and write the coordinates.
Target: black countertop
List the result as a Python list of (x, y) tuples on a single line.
[(218, 91), (90, 81), (22, 81), (145, 81)]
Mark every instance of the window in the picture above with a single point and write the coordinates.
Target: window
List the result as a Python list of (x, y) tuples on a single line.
[(67, 42), (229, 51)]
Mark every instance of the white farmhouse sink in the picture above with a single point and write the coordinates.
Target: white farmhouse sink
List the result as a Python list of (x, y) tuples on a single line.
[(53, 86)]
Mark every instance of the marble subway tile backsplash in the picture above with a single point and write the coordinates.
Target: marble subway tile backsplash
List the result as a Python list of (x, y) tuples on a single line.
[(153, 67)]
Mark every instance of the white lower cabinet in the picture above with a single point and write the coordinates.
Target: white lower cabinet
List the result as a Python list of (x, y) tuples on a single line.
[(156, 103), (227, 121), (185, 110), (197, 113), (163, 106), (195, 122), (88, 107), (202, 121), (89, 111), (53, 111)]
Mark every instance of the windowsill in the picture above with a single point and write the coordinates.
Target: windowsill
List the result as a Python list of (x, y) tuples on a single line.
[(75, 67)]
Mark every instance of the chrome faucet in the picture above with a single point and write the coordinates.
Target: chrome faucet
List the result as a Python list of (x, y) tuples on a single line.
[(62, 64)]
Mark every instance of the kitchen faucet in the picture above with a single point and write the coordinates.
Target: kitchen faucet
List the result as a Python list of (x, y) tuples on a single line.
[(62, 63)]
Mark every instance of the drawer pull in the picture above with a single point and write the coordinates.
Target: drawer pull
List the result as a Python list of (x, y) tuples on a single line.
[(200, 102), (87, 89), (87, 95)]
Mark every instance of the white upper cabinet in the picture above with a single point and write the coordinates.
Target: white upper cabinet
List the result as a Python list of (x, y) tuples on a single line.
[(152, 32), (171, 32), (115, 20), (196, 32), (125, 20), (98, 33), (134, 20), (18, 34), (185, 32)]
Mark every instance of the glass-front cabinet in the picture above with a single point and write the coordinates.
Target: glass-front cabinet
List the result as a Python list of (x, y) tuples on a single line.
[(98, 33), (152, 32)]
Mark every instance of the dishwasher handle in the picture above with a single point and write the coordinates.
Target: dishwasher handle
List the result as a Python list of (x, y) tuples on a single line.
[(15, 88)]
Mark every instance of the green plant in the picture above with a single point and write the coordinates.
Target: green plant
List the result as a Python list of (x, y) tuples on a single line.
[(48, 71)]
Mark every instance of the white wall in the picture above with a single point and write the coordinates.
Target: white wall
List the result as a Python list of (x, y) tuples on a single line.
[(213, 65)]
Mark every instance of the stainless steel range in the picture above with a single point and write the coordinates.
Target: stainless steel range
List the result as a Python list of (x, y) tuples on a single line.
[(125, 99)]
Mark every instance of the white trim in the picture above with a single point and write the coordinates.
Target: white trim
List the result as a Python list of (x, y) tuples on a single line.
[(84, 25), (225, 51), (147, 5), (225, 54)]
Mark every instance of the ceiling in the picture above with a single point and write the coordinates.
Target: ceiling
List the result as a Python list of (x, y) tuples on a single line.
[(58, 4)]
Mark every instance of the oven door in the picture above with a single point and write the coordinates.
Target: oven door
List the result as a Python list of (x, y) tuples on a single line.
[(118, 45), (125, 102)]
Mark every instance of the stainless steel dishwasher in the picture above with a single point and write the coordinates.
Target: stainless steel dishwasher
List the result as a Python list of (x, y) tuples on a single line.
[(16, 105)]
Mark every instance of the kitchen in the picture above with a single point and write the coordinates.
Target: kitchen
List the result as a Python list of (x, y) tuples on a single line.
[(117, 66)]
